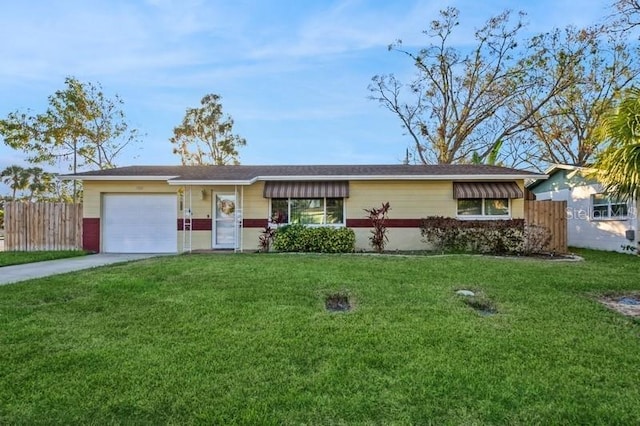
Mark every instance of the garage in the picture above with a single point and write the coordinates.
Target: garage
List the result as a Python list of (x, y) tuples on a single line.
[(136, 223)]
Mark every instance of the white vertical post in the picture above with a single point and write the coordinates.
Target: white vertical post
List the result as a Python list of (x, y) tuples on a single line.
[(190, 219), (242, 220), (183, 209), (187, 223), (235, 218)]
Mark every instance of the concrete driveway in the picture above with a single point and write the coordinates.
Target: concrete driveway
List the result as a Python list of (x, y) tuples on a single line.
[(28, 271)]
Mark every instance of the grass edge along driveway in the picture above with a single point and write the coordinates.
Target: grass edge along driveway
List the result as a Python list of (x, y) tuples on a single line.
[(245, 339), (8, 258)]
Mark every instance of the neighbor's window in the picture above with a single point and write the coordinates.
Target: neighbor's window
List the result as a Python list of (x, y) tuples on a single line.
[(604, 206), (309, 211), (483, 207)]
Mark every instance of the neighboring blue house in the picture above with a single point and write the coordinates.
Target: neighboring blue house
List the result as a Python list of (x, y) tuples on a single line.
[(594, 219)]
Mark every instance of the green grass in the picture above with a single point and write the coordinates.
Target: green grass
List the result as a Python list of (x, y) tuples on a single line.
[(18, 257), (245, 339)]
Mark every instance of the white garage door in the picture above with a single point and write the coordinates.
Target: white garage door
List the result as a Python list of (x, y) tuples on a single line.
[(139, 223)]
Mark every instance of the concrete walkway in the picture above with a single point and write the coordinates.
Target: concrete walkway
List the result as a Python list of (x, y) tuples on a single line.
[(28, 271)]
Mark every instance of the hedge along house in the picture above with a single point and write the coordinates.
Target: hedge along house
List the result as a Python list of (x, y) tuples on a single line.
[(595, 219), (168, 209)]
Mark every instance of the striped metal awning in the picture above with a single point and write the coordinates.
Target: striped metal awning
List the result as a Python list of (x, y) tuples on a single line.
[(486, 190), (296, 189)]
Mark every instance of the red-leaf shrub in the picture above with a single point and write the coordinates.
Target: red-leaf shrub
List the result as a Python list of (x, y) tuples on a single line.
[(378, 217)]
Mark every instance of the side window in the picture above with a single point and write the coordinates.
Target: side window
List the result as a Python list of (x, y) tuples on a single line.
[(309, 211), (604, 206), (280, 208), (496, 206), (470, 207), (481, 207), (335, 210)]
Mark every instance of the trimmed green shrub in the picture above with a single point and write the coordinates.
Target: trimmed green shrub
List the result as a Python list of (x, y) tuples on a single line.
[(299, 238), (477, 236)]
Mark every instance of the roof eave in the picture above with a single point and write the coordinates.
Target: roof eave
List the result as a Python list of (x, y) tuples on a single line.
[(114, 177), (555, 167), (176, 181), (404, 177), (180, 182)]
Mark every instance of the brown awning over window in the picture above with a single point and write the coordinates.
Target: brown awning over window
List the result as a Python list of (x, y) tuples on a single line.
[(329, 189), (486, 190)]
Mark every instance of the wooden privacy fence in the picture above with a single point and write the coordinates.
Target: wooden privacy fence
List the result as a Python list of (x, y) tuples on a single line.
[(551, 215), (42, 226)]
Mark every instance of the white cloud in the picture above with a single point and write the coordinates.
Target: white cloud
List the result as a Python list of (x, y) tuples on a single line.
[(348, 26), (109, 38)]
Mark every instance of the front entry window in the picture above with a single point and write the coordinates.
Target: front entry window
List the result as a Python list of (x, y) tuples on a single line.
[(224, 232)]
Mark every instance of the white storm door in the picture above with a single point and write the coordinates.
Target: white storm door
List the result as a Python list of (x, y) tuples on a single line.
[(224, 229), (140, 223)]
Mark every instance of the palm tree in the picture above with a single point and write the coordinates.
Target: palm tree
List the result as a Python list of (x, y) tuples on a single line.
[(618, 166), (40, 182), (16, 177)]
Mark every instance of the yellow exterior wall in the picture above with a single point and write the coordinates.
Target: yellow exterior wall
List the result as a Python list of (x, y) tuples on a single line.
[(408, 200), (411, 199), (250, 239), (399, 239), (255, 206), (92, 191), (517, 204), (200, 240)]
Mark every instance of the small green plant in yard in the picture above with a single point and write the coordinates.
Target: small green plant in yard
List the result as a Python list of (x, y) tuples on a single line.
[(248, 339), (18, 257)]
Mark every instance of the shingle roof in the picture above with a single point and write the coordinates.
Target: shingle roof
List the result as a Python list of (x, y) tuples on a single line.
[(249, 173)]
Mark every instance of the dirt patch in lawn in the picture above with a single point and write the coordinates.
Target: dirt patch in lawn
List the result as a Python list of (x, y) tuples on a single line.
[(626, 304), (337, 302), (477, 301)]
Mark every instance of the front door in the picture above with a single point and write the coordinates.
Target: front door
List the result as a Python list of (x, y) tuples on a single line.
[(224, 229)]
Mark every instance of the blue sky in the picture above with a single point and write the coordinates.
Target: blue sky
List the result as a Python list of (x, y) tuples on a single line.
[(293, 74)]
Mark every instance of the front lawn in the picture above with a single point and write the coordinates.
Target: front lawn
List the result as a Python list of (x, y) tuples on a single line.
[(18, 257), (246, 339)]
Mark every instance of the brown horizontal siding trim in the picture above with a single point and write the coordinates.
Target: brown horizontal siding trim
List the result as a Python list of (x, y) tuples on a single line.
[(91, 234), (389, 223), (254, 223), (205, 224), (196, 224)]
